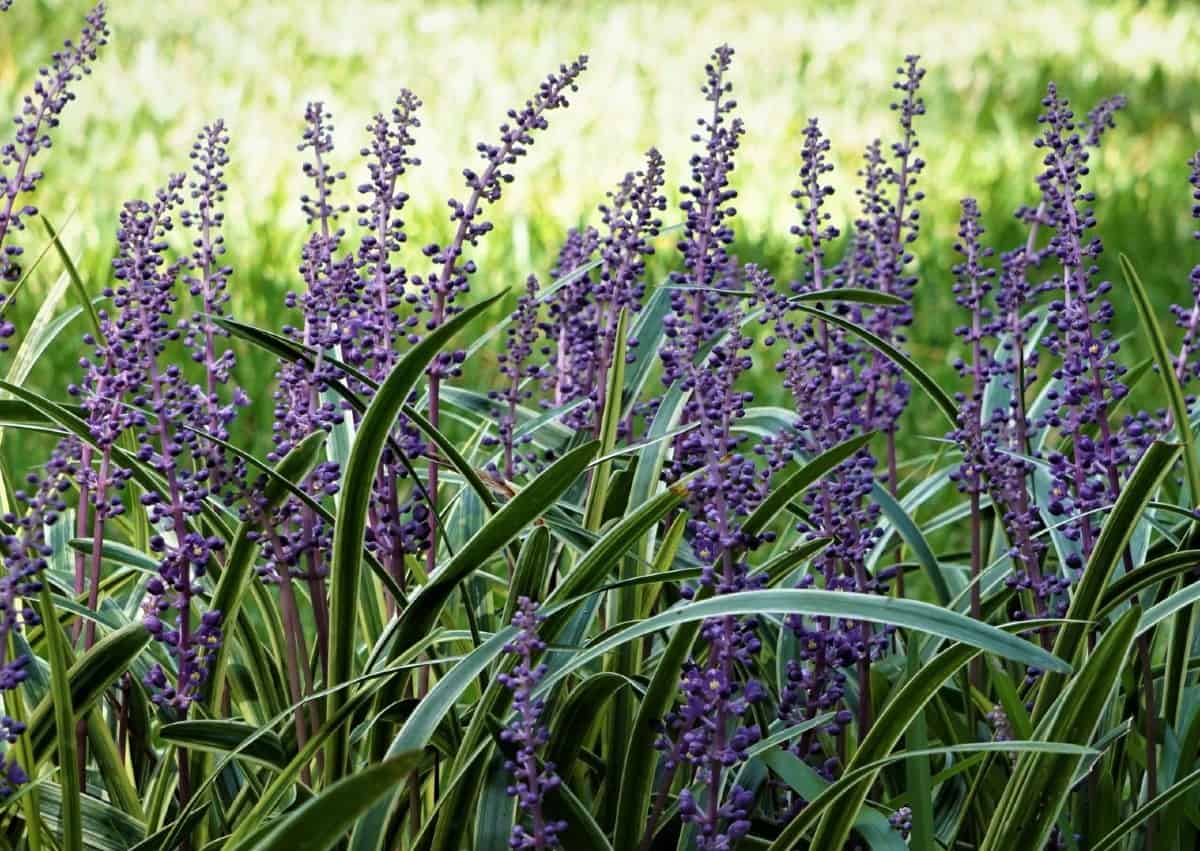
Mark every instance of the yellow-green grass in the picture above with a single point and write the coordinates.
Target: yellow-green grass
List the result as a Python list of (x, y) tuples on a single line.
[(173, 65)]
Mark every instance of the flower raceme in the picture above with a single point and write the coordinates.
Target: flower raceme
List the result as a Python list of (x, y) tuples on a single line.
[(40, 113), (527, 734)]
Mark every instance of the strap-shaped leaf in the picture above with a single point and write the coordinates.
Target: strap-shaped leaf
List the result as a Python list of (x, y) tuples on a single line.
[(323, 821), (87, 678), (1034, 796), (910, 614), (350, 527), (1114, 538), (222, 736)]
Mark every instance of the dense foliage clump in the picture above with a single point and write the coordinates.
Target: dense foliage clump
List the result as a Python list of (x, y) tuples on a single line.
[(615, 600)]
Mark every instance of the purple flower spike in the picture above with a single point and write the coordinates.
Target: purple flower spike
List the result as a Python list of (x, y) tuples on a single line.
[(39, 114), (1088, 374), (145, 297), (698, 310), (527, 734), (889, 226), (207, 280), (824, 369), (585, 311), (440, 290), (522, 375), (25, 555)]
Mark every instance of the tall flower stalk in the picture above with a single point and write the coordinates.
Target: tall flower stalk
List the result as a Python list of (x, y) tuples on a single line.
[(705, 352), (440, 289), (399, 516), (825, 372), (527, 733), (890, 226), (39, 114)]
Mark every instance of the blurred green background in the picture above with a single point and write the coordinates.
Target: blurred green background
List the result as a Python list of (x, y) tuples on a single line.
[(173, 65)]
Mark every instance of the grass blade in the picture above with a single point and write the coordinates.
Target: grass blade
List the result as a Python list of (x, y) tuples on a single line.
[(62, 704), (323, 821), (350, 526)]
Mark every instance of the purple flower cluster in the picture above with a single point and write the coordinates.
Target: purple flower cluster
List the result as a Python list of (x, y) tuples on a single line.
[(901, 821), (531, 782), (522, 375), (584, 312), (1087, 375), (823, 369), (888, 227), (705, 352), (207, 281), (162, 408), (24, 556), (711, 730), (699, 310), (39, 114)]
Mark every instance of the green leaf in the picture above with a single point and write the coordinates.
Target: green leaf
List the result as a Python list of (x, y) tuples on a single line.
[(81, 292), (105, 828), (910, 614), (869, 821), (854, 295), (940, 397), (424, 721), (62, 704), (582, 832), (610, 420), (576, 718), (1035, 794), (1159, 612), (323, 821), (87, 679), (494, 816), (350, 527), (1145, 576), (648, 331), (529, 576), (1112, 840), (911, 533), (221, 736), (1114, 538), (42, 331)]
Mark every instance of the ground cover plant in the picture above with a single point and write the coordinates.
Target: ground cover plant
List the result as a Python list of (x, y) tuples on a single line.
[(603, 596)]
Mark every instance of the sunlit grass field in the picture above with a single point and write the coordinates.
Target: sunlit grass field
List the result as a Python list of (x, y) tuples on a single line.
[(174, 65)]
